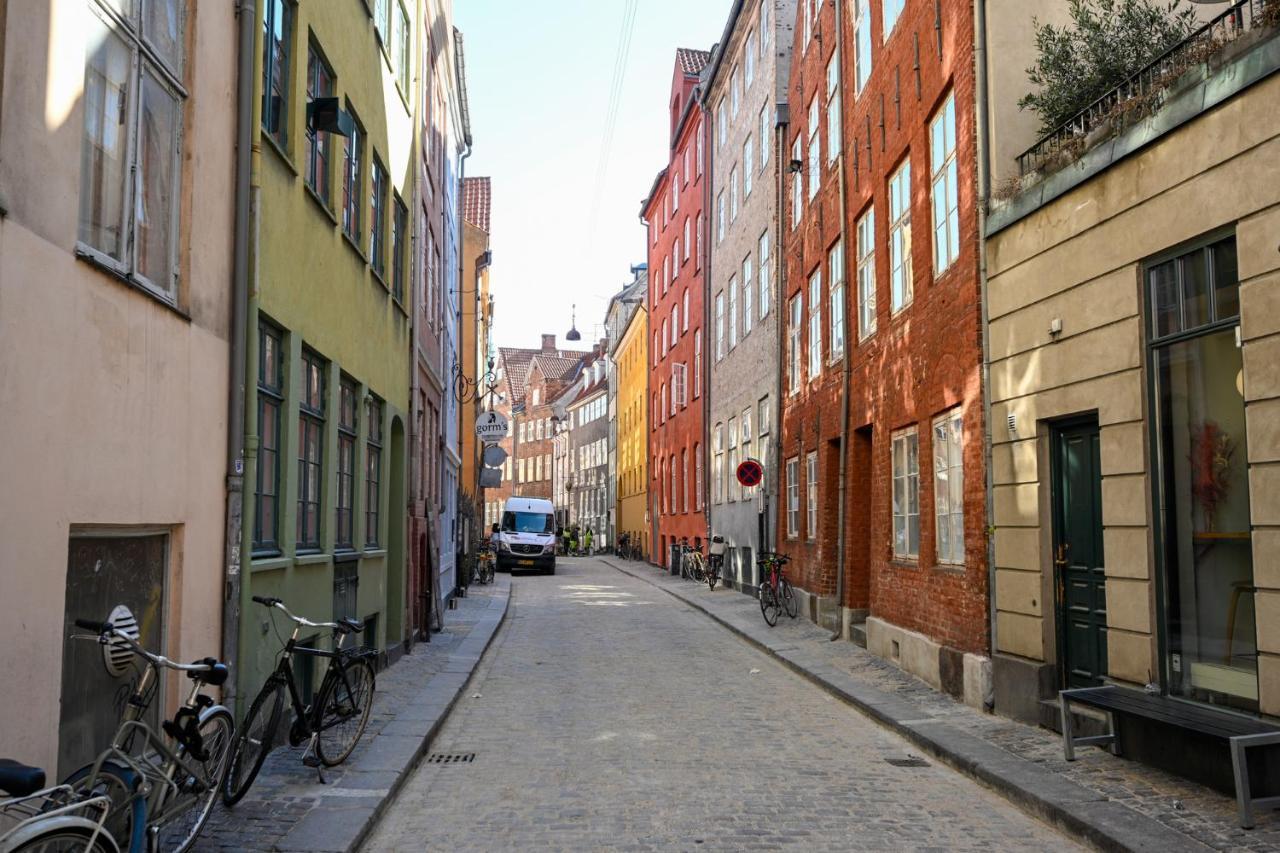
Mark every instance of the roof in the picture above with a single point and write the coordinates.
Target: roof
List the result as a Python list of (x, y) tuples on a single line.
[(644, 203), (692, 60), (723, 44), (476, 198), (555, 366), (516, 362)]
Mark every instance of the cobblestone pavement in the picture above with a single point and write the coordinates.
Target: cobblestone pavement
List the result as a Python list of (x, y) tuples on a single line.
[(1202, 815), (288, 809), (607, 715)]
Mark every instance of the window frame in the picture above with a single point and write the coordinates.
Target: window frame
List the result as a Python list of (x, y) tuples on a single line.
[(280, 112), (811, 494), (866, 239), (944, 186), (311, 415), (344, 523), (909, 439), (316, 151), (900, 241), (815, 360), (271, 393), (793, 497), (380, 179), (835, 301), (951, 423), (373, 473)]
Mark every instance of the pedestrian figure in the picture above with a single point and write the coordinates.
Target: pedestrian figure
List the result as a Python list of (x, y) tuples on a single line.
[(573, 541), (588, 542)]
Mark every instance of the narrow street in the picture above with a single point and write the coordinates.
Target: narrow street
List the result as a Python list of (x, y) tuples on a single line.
[(608, 715)]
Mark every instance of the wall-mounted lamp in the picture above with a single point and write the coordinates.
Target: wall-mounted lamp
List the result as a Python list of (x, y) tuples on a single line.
[(324, 114)]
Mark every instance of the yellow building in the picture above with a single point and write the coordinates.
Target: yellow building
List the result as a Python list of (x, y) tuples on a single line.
[(631, 359), (329, 320), (475, 310)]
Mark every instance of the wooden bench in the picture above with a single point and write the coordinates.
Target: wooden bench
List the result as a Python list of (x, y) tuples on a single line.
[(1239, 733)]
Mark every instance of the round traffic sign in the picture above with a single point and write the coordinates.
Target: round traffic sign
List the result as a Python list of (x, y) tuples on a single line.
[(494, 455), (750, 472)]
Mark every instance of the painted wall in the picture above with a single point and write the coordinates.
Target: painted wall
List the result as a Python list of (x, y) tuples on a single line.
[(632, 359)]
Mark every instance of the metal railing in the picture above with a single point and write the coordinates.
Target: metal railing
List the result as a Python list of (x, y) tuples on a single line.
[(1154, 77)]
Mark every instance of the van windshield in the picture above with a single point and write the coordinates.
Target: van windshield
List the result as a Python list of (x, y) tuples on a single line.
[(526, 522)]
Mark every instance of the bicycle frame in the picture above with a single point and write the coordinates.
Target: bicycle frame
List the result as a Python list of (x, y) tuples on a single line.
[(309, 716)]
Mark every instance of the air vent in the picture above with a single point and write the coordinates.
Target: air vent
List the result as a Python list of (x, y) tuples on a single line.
[(451, 758), (115, 653)]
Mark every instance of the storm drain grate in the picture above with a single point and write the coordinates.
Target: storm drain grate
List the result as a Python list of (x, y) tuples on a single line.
[(909, 761), (451, 758)]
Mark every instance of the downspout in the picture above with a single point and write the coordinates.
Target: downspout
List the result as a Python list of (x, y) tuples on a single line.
[(246, 15), (841, 538), (708, 178), (984, 183), (648, 408), (781, 123)]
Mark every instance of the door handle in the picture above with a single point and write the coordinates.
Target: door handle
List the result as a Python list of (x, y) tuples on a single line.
[(1060, 557)]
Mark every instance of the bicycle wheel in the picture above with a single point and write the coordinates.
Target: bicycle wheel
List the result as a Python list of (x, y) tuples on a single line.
[(712, 576), (769, 604), (199, 790), (345, 708), (699, 569), (789, 602), (127, 820), (254, 741), (67, 840)]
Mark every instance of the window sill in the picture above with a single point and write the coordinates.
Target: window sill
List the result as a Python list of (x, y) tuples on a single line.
[(311, 558), (269, 564), (379, 277), (275, 145), (904, 563), (400, 305), (84, 254), (951, 568), (354, 244), (321, 203)]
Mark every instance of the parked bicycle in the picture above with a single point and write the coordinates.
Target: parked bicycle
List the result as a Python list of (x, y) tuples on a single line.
[(161, 786), (776, 594), (36, 819), (330, 725), (715, 561), (692, 564), (484, 563)]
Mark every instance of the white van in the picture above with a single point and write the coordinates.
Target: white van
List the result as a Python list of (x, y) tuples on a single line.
[(526, 538)]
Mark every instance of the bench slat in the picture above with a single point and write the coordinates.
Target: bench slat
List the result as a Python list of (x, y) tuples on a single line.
[(1171, 711)]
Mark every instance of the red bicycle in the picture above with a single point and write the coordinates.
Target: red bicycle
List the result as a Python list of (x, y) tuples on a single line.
[(776, 594)]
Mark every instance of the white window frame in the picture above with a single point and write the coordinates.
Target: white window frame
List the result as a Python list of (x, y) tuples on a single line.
[(793, 497), (687, 241), (697, 363), (891, 11), (900, 281), (748, 156), (735, 91), (944, 186), (700, 151), (794, 331), (733, 194), (835, 299), (948, 487), (748, 289), (749, 60), (862, 51), (720, 217), (797, 185), (834, 118), (764, 137), (904, 452), (733, 311), (763, 269), (866, 234), (685, 328), (815, 148), (815, 324), (720, 325), (722, 123), (811, 494)]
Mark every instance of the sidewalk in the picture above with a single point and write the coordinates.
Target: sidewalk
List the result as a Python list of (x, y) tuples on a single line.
[(1107, 801), (287, 809)]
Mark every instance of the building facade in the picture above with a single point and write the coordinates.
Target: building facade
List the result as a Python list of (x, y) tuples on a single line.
[(623, 307), (631, 355), (673, 215), (746, 91), (475, 320), (884, 509), (586, 485), (1133, 336), (115, 336)]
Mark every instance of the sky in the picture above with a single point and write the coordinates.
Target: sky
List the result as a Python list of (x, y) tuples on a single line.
[(539, 80)]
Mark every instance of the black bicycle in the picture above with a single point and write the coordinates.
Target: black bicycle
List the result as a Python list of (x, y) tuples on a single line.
[(776, 595), (331, 725)]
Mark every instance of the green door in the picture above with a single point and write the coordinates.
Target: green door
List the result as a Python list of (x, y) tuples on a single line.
[(1080, 581)]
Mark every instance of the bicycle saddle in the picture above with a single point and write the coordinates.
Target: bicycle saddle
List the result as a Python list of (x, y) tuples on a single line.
[(18, 780), (350, 626), (214, 676)]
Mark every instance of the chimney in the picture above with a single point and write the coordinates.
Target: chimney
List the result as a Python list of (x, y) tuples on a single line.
[(548, 343)]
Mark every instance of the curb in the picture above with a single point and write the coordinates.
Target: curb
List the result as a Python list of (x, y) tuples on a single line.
[(1085, 814), (430, 708)]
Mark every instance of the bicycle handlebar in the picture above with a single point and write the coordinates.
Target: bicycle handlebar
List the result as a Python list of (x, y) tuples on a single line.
[(106, 629), (279, 605)]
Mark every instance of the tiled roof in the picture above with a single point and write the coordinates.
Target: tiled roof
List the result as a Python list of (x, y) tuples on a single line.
[(556, 367), (476, 198), (692, 61), (517, 362)]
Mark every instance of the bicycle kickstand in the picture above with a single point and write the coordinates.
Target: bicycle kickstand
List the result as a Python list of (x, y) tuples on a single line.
[(311, 758)]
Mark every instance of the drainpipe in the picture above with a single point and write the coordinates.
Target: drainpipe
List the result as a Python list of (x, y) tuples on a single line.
[(239, 322), (782, 122), (984, 189), (841, 539), (708, 180)]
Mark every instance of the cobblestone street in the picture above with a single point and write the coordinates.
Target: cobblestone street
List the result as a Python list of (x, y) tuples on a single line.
[(608, 715)]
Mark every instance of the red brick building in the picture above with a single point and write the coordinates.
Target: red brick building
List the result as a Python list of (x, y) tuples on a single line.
[(673, 214), (881, 333)]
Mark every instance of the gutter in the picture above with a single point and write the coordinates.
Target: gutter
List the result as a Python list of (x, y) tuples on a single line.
[(234, 519), (841, 538), (984, 192)]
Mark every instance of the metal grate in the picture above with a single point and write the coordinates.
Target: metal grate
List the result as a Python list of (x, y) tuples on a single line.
[(909, 761), (451, 758)]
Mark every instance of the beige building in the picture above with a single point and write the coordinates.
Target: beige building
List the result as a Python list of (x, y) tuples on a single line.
[(1134, 302), (116, 215)]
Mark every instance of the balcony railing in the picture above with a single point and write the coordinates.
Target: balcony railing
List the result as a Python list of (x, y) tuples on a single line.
[(1153, 78)]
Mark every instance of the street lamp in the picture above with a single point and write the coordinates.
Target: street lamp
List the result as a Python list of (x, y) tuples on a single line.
[(574, 334)]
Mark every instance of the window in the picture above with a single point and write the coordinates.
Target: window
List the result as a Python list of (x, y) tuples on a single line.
[(906, 495), (344, 517), (733, 194), (815, 149), (400, 53), (733, 312), (697, 478), (719, 325), (815, 324), (686, 309), (862, 44), (833, 107), (700, 152), (808, 22), (748, 158), (722, 125), (664, 402), (867, 273), (793, 340), (675, 323), (717, 464), (697, 255), (762, 420), (835, 274), (266, 505), (352, 181), (731, 473), (764, 275), (666, 274), (900, 238), (523, 471), (320, 84), (382, 19), (697, 363), (277, 59), (891, 9), (942, 170), (377, 217), (311, 412), (399, 235), (811, 495), (719, 217), (735, 91), (684, 159), (948, 486), (130, 159), (684, 480), (749, 59), (764, 24), (748, 287), (679, 386), (687, 241), (793, 498), (665, 337), (675, 260), (797, 186), (766, 138), (373, 473)]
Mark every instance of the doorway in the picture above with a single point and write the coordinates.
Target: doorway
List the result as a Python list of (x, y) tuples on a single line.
[(1080, 582)]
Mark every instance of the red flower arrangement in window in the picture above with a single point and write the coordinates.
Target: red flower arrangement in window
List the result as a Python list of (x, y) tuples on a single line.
[(1211, 451)]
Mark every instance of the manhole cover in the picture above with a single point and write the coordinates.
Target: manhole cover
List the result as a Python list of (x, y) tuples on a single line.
[(910, 761), (451, 758)]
